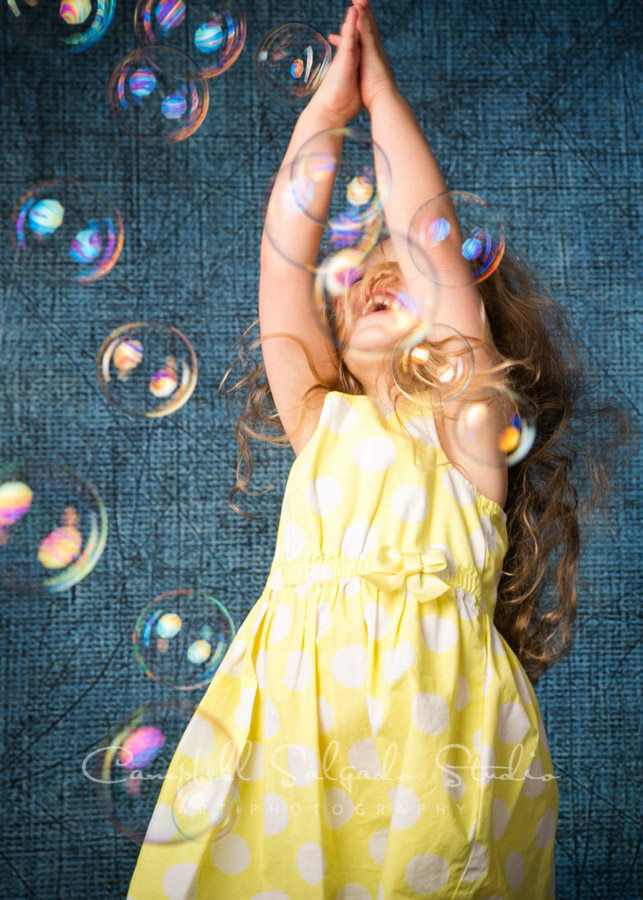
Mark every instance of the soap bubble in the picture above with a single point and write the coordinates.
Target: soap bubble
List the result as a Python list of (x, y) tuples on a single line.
[(158, 95), (376, 314), (496, 432), (69, 25), (147, 369), (181, 637), (212, 34), (339, 179), (198, 797), (291, 61), (65, 230), (461, 235), (53, 526), (442, 360)]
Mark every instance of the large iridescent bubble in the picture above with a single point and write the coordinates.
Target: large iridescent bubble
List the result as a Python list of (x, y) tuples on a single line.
[(461, 235), (212, 34), (53, 526), (68, 25), (498, 431), (158, 95), (443, 361), (367, 306), (181, 637), (199, 799), (291, 61), (339, 179), (65, 230), (147, 369)]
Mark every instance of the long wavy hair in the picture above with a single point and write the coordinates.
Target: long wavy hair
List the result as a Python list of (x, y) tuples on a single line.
[(553, 491)]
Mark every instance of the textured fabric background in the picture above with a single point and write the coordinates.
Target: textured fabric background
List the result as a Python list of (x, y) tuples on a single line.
[(537, 107)]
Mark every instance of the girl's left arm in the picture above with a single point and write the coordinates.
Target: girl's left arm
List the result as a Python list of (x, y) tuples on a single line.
[(415, 178)]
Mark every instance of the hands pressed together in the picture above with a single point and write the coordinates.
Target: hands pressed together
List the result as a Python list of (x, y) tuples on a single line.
[(360, 69)]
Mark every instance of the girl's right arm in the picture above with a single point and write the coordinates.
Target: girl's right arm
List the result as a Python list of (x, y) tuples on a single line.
[(285, 289)]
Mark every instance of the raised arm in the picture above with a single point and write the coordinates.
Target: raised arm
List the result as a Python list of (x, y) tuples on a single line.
[(285, 289), (415, 179)]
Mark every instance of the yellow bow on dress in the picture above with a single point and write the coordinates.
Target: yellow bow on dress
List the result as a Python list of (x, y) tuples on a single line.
[(390, 569)]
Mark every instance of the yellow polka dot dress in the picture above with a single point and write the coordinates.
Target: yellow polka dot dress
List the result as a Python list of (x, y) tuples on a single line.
[(392, 745)]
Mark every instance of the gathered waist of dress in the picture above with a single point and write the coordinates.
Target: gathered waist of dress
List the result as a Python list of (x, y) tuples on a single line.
[(425, 573)]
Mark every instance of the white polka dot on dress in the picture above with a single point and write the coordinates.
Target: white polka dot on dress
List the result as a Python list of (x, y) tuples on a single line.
[(534, 783), (459, 487), (463, 694), (513, 723), (337, 414), (397, 661), (377, 845), (500, 816), (359, 539), (375, 713), (377, 621), (406, 807), (427, 873), (180, 882), (311, 862), (250, 765), (324, 494), (198, 739), (270, 718), (410, 503), (302, 764), (514, 869), (326, 715), (430, 713), (373, 454), (230, 854), (438, 633), (281, 624), (362, 755), (477, 864), (298, 670), (161, 827), (338, 807), (352, 891), (294, 540), (423, 429), (275, 813), (478, 547)]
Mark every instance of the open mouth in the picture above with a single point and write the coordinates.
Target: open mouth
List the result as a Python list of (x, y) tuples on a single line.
[(380, 303)]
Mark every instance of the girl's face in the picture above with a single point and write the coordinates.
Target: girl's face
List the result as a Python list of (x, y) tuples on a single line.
[(374, 319)]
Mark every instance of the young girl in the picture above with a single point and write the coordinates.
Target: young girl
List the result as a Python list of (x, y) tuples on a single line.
[(389, 740)]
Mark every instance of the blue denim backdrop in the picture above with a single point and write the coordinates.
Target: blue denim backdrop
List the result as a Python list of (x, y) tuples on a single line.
[(538, 107)]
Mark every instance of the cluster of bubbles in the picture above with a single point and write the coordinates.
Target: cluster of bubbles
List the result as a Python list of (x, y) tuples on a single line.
[(147, 369), (159, 92), (65, 230), (180, 639), (200, 804), (53, 526), (69, 25), (324, 214)]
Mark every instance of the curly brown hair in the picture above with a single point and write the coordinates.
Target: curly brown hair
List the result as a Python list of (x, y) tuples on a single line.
[(552, 492)]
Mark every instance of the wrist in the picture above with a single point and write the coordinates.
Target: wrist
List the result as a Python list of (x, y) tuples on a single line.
[(324, 117), (385, 95)]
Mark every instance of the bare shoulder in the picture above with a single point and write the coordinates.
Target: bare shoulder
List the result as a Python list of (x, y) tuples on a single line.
[(490, 480)]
